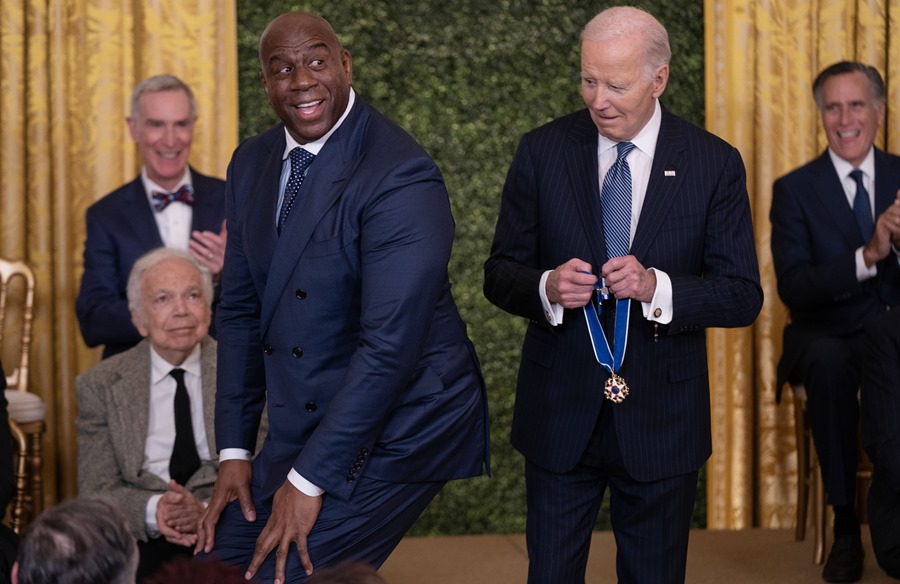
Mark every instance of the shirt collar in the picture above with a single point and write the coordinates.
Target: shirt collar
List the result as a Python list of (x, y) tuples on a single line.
[(150, 186), (160, 368), (316, 145), (843, 168), (645, 141)]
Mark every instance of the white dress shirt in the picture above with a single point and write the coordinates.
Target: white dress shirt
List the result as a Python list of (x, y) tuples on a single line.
[(173, 222)]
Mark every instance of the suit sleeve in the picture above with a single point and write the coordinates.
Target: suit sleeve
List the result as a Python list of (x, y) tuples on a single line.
[(405, 241), (806, 278), (725, 291), (241, 379), (512, 273), (101, 306), (98, 467)]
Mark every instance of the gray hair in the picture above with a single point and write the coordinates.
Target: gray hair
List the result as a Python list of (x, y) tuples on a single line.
[(79, 541), (627, 21), (845, 68), (159, 83), (150, 259)]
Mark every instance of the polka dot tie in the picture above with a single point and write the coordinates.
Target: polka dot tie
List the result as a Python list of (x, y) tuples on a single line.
[(300, 161)]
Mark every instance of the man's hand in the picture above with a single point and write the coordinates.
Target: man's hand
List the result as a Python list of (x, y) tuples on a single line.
[(232, 482), (177, 514), (208, 248), (627, 278), (293, 516), (887, 231), (569, 285)]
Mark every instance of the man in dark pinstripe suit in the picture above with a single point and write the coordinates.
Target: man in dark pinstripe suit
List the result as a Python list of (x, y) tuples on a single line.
[(691, 265)]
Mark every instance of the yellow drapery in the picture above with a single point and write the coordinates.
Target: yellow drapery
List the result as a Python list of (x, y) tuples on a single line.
[(761, 59), (67, 70)]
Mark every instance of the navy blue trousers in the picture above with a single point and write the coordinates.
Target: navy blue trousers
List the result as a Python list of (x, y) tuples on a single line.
[(367, 528), (650, 520)]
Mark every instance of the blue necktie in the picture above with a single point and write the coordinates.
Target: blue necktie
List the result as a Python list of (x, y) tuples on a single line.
[(862, 208), (300, 161), (615, 198)]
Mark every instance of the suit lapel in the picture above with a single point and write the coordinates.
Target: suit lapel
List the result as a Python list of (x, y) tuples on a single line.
[(830, 191), (259, 232), (139, 216), (667, 174), (324, 183), (131, 402), (886, 183), (583, 169), (208, 381)]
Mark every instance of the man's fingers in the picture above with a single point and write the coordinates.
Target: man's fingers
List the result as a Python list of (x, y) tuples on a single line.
[(303, 552), (246, 502)]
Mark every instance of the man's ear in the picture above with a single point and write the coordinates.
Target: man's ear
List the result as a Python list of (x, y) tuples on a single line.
[(139, 323)]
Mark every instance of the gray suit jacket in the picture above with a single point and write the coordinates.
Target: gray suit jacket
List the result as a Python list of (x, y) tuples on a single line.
[(113, 415)]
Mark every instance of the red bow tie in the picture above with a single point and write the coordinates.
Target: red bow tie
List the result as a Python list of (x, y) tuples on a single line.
[(185, 194)]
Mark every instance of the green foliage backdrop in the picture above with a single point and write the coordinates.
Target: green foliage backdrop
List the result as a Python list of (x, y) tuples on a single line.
[(467, 78)]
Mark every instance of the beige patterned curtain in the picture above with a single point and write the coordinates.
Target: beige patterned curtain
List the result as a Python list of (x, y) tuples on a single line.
[(67, 68), (761, 59)]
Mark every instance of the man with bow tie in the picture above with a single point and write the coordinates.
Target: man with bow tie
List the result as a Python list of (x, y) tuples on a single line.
[(169, 204)]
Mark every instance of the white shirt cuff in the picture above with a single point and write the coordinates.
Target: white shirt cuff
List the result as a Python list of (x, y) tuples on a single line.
[(303, 485), (862, 272), (552, 312), (660, 308), (150, 516), (234, 454)]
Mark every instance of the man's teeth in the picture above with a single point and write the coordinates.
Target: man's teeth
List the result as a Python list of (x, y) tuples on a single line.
[(309, 105), (849, 134)]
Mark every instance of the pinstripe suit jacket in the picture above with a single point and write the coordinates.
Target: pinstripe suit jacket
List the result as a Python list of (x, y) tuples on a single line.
[(695, 225), (113, 416)]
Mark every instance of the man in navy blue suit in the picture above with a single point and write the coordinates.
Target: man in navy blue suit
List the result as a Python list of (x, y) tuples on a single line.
[(169, 204), (833, 223), (619, 298), (336, 312)]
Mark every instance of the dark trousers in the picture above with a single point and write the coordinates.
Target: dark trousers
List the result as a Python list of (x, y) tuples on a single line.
[(830, 370), (367, 528), (884, 523), (650, 520), (156, 552)]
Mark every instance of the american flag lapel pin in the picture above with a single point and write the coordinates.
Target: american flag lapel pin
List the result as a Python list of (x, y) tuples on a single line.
[(670, 173)]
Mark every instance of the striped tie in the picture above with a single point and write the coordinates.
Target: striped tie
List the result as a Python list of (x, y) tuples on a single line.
[(615, 197)]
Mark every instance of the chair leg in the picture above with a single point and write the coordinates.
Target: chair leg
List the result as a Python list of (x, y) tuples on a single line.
[(803, 469), (36, 463)]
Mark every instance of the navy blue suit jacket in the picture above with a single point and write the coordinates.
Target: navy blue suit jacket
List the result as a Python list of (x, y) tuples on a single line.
[(814, 239), (346, 322), (695, 225), (120, 228)]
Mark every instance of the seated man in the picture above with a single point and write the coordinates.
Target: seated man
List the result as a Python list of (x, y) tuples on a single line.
[(169, 204), (880, 413), (145, 416), (82, 540)]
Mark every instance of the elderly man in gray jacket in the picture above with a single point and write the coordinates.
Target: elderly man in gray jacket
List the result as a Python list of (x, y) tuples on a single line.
[(145, 416)]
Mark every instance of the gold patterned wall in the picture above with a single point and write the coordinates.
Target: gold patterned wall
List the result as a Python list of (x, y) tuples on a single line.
[(67, 68), (761, 59)]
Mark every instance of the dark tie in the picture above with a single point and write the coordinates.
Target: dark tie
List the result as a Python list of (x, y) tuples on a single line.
[(862, 208), (184, 195), (615, 198), (185, 461), (300, 161)]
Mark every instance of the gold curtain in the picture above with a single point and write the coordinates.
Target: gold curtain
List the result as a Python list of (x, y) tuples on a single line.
[(67, 68), (761, 59)]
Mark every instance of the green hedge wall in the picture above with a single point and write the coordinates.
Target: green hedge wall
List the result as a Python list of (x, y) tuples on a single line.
[(467, 78)]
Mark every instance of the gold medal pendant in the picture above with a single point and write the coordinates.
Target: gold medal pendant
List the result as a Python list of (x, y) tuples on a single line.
[(616, 390)]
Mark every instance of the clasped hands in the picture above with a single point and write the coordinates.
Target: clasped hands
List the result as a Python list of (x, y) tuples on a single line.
[(177, 514), (570, 287), (887, 233), (291, 520)]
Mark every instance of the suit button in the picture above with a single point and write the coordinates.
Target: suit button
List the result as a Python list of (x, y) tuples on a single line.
[(311, 406), (301, 293), (297, 352), (267, 349)]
